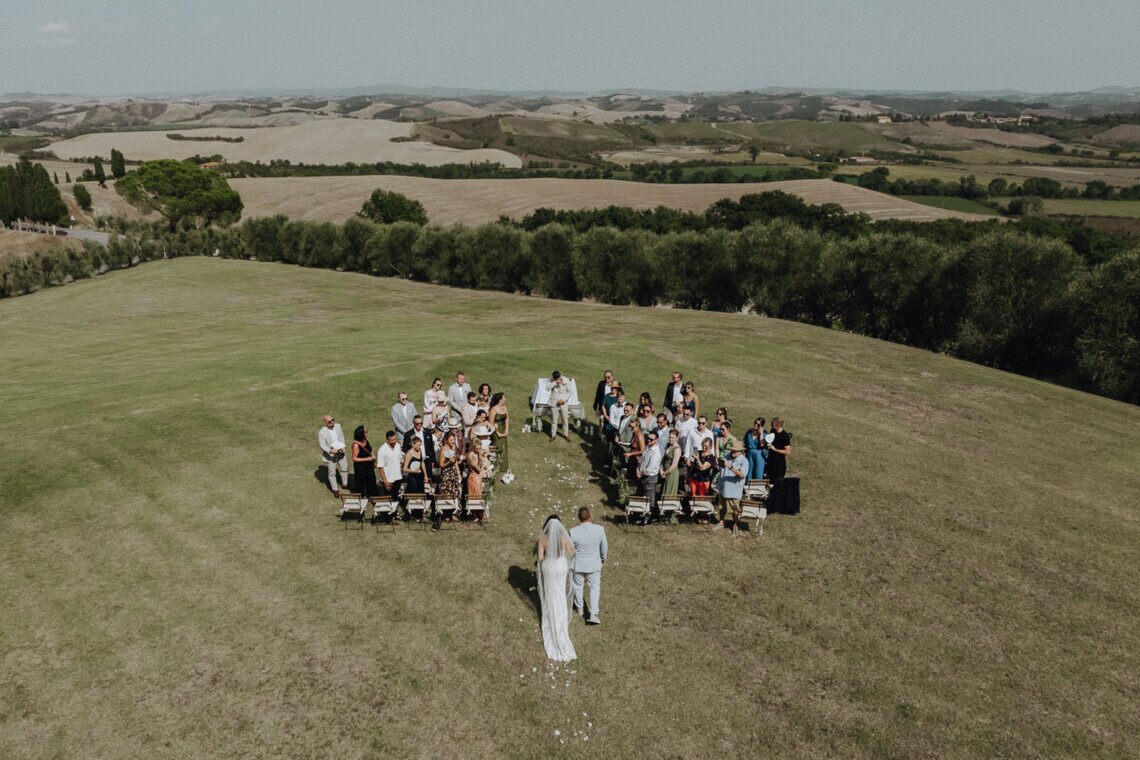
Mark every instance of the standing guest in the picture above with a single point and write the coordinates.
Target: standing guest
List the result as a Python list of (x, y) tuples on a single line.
[(559, 405), (476, 468), (663, 431), (644, 400), (363, 464), (501, 422), (470, 410), (686, 428), (649, 470), (331, 440), (417, 433), (414, 467), (402, 413), (435, 404), (700, 472), (756, 448), (600, 394), (724, 439), (690, 399), (778, 450), (625, 431), (674, 394), (699, 435), (479, 431), (456, 398), (484, 399), (730, 485), (450, 484), (636, 449), (646, 417), (390, 463), (720, 416), (671, 466), (615, 405)]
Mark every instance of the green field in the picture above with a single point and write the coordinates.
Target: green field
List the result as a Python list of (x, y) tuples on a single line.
[(954, 204), (963, 581), (1083, 207)]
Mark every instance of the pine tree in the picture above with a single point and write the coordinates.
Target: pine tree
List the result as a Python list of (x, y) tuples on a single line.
[(118, 165), (100, 175), (67, 177)]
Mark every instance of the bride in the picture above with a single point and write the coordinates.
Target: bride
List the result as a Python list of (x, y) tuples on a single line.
[(554, 554)]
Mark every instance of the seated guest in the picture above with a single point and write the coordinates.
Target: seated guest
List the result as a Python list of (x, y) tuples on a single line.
[(363, 464), (470, 409), (701, 471), (390, 463), (757, 449), (402, 413), (730, 486), (636, 449), (501, 421), (671, 466), (778, 450), (600, 394), (435, 404), (415, 467), (690, 400)]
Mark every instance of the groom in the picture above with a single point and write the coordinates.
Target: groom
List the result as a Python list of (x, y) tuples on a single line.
[(590, 549)]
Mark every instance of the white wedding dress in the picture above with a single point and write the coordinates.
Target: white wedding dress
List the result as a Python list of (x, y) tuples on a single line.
[(554, 591)]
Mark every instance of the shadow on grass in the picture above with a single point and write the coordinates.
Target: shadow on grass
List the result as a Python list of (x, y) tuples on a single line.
[(597, 452), (525, 583)]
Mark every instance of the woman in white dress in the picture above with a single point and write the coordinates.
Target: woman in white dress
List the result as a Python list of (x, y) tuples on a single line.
[(555, 550), (435, 404)]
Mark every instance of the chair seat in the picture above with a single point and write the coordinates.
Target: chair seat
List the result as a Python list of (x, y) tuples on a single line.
[(701, 505)]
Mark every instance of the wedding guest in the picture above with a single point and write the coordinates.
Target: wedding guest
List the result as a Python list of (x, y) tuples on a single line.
[(718, 418), (756, 448), (478, 426), (417, 433), (700, 472), (614, 411), (415, 467), (636, 449), (389, 463), (402, 413), (724, 439), (778, 450), (600, 394), (645, 400), (690, 400), (699, 434), (456, 398), (363, 464), (730, 486), (649, 470), (686, 428), (470, 409), (484, 399), (450, 484), (674, 395), (663, 431), (625, 433), (476, 467), (330, 439), (501, 421), (435, 404), (671, 466), (646, 417)]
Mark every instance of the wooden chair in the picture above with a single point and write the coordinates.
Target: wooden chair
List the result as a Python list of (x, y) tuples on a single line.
[(669, 505), (476, 508), (384, 510), (638, 506), (416, 507), (352, 507), (753, 514), (447, 508), (701, 505), (757, 489)]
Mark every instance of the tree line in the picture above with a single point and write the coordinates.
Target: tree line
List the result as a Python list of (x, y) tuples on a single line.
[(1008, 297), (27, 192)]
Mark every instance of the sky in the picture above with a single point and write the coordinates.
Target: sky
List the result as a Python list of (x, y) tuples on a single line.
[(132, 47)]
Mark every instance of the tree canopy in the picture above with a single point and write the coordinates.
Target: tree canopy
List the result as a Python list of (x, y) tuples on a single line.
[(389, 207), (181, 191)]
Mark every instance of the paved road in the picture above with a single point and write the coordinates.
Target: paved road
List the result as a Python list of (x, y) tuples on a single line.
[(79, 234)]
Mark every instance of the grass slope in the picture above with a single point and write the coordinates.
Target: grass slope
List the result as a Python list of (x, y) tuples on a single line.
[(962, 581)]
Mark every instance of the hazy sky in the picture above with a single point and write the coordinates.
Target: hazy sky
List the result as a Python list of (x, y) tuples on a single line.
[(138, 46)]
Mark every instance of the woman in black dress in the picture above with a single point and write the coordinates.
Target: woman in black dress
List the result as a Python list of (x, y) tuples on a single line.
[(414, 467), (363, 464), (778, 450)]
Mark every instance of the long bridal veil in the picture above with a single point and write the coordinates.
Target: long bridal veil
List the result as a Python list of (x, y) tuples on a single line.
[(555, 589)]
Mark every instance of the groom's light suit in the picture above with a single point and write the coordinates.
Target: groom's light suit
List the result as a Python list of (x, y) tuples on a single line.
[(590, 549)]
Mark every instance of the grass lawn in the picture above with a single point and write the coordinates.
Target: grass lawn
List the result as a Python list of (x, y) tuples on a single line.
[(954, 204), (963, 581), (1084, 207)]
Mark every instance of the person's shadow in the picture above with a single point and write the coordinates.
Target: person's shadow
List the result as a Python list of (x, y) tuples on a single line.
[(525, 583)]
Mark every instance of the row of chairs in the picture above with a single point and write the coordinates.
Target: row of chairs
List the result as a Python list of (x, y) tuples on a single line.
[(753, 509), (417, 508)]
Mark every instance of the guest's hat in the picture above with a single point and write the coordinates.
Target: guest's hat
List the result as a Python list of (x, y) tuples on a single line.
[(736, 446)]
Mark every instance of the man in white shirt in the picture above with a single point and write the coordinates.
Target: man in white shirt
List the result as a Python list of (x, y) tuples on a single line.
[(649, 469), (389, 461), (698, 435), (686, 426), (331, 440), (559, 405), (470, 410), (456, 398), (402, 413), (662, 433), (674, 394)]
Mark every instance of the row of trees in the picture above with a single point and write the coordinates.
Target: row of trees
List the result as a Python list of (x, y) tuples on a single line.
[(27, 192), (969, 187), (1006, 298)]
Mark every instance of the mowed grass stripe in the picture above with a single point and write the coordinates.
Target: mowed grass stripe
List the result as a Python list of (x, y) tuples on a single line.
[(960, 582)]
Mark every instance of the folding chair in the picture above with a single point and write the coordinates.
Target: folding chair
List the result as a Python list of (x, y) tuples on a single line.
[(447, 508), (476, 508), (384, 510), (756, 489), (352, 507), (701, 506), (753, 514), (669, 505), (638, 506), (415, 507)]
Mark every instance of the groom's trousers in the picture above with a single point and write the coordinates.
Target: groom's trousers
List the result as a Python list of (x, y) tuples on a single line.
[(595, 580)]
